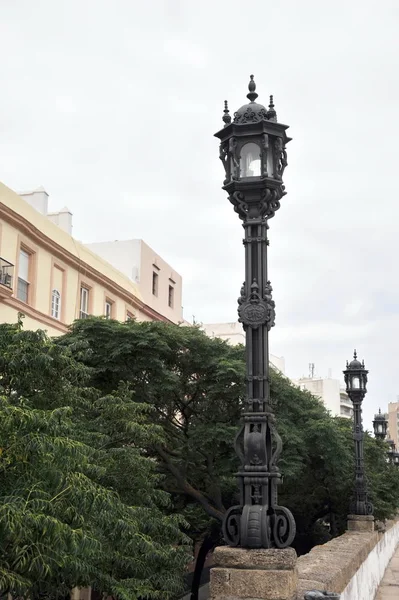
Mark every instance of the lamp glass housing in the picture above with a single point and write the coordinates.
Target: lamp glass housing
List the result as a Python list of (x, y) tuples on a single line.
[(250, 165)]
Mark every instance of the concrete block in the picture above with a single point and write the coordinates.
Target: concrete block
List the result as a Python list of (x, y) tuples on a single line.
[(255, 584)]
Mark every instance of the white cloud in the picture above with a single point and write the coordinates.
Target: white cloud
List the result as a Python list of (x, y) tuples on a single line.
[(186, 53)]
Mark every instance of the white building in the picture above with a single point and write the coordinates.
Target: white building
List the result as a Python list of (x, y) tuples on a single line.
[(234, 334), (159, 284), (330, 391)]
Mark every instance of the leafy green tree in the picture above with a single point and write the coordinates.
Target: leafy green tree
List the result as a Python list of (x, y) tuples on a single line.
[(80, 501), (196, 385)]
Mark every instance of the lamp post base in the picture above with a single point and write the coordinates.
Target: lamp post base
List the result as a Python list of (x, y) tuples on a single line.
[(361, 523), (251, 573)]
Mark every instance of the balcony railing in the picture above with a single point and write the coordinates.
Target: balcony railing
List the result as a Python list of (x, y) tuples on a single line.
[(6, 273)]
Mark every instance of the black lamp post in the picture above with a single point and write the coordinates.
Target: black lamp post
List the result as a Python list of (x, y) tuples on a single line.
[(356, 382), (380, 426), (252, 150)]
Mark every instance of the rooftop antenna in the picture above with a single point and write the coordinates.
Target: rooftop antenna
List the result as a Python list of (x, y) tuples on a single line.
[(311, 370)]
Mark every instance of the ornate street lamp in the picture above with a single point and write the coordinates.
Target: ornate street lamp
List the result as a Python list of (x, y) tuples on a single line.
[(395, 458), (356, 382), (380, 426), (252, 150)]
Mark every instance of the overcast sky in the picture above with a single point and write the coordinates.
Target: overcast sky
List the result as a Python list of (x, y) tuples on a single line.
[(111, 105)]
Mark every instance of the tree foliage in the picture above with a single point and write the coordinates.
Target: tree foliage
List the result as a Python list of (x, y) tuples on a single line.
[(196, 385), (80, 501)]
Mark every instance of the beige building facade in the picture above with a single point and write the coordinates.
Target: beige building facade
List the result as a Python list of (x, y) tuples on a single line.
[(50, 277), (393, 422), (160, 286)]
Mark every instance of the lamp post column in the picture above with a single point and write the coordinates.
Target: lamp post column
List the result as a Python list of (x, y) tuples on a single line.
[(361, 509), (257, 561), (252, 150)]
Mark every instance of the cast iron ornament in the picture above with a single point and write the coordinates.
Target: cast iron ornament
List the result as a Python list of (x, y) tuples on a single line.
[(255, 193), (256, 310)]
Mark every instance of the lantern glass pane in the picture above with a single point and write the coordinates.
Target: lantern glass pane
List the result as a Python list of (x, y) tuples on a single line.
[(355, 383), (250, 160)]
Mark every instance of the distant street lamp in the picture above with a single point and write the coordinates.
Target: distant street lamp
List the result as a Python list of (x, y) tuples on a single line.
[(252, 150), (356, 382), (380, 426)]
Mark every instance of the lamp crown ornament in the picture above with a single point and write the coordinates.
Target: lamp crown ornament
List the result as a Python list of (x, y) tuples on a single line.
[(253, 154)]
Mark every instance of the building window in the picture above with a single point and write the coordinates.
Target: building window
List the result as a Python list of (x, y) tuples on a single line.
[(129, 316), (108, 309), (55, 304), (84, 303), (155, 283), (171, 296), (23, 276)]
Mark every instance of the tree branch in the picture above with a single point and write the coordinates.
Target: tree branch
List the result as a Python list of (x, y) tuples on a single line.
[(188, 489)]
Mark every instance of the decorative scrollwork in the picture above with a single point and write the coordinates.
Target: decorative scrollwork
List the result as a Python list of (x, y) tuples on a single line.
[(256, 311), (280, 157), (251, 116), (240, 206), (284, 527), (369, 508), (270, 202), (224, 157), (265, 208), (231, 526), (361, 507), (235, 165), (271, 306)]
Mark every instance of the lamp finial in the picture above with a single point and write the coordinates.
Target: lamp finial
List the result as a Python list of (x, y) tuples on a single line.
[(252, 87), (226, 117)]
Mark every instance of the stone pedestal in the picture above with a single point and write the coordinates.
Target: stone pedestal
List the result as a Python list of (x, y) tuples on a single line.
[(253, 574), (362, 523)]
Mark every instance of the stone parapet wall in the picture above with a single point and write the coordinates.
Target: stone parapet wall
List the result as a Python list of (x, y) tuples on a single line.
[(352, 564)]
